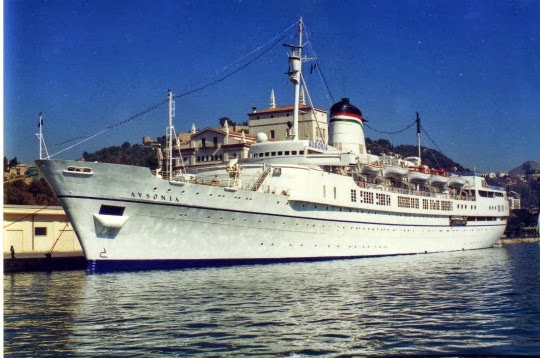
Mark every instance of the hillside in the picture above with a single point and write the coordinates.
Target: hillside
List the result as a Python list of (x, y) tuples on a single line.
[(529, 167), (430, 157), (144, 156), (521, 181), (137, 154)]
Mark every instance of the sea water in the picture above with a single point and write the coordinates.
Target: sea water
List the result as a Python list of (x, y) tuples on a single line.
[(470, 302)]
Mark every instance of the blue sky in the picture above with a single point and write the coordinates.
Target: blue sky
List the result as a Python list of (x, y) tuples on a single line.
[(471, 68)]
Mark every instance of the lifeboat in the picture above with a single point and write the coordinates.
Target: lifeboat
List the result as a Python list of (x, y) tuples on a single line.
[(438, 177), (370, 169), (419, 174), (456, 181), (394, 171), (394, 167)]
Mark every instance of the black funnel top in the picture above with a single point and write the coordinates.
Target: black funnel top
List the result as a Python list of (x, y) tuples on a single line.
[(345, 107)]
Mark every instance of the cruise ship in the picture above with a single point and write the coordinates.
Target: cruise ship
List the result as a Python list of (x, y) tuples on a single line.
[(289, 200)]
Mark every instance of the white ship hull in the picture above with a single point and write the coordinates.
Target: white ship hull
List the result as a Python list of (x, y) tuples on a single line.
[(168, 224), (286, 200)]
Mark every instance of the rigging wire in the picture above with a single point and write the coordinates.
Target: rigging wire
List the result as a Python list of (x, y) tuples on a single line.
[(396, 132), (27, 216), (110, 127), (423, 130), (435, 144), (318, 65), (432, 141), (324, 79), (225, 76), (265, 49), (17, 179)]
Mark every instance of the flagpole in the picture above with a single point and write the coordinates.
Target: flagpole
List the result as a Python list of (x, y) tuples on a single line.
[(40, 135), (42, 144)]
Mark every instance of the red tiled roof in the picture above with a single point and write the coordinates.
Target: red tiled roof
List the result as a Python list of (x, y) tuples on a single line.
[(281, 109)]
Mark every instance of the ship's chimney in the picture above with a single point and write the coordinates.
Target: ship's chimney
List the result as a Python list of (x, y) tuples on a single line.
[(346, 129)]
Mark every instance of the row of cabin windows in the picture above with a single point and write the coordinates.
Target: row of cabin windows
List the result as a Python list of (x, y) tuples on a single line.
[(280, 153), (273, 133), (403, 202)]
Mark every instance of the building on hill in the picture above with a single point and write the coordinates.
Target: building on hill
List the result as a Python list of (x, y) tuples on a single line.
[(514, 200), (211, 146), (220, 145), (276, 121), (25, 172)]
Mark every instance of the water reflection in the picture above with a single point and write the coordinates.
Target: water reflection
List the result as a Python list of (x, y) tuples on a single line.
[(38, 312), (464, 302)]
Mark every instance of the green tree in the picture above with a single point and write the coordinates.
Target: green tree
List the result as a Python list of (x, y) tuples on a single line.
[(13, 162), (229, 121), (17, 193), (37, 193)]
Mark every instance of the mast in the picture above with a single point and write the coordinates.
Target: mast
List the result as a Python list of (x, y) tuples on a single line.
[(295, 71), (418, 136), (170, 131), (40, 134), (42, 145)]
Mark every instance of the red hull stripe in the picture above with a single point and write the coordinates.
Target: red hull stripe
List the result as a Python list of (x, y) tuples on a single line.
[(345, 114)]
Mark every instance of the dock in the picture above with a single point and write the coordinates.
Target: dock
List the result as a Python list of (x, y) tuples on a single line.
[(518, 240), (65, 261), (31, 262)]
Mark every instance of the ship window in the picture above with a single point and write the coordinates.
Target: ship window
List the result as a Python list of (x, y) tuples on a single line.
[(353, 195), (40, 231), (294, 152), (273, 154), (272, 133), (112, 210), (287, 152), (301, 152), (279, 153), (266, 154)]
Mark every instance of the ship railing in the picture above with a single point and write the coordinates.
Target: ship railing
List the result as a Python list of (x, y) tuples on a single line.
[(387, 160), (164, 175), (211, 180), (421, 193), (230, 183)]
